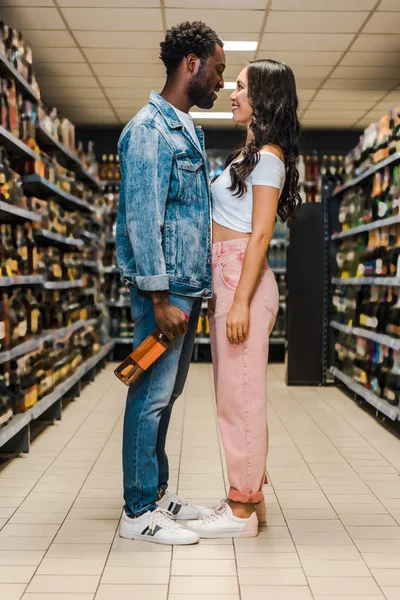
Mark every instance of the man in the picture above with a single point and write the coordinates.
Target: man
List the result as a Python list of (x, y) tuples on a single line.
[(164, 253)]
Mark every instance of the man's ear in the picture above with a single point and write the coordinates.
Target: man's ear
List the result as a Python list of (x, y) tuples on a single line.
[(191, 62)]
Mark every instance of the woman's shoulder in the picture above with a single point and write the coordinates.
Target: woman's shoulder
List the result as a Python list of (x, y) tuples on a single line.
[(271, 149)]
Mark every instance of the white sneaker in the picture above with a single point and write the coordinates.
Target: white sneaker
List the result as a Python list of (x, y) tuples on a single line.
[(156, 526), (180, 509), (222, 523)]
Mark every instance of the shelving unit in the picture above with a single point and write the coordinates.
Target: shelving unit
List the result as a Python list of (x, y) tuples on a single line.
[(393, 159), (17, 149), (367, 227), (14, 214), (15, 436), (380, 338), (48, 238), (63, 285), (393, 281), (44, 189), (21, 280), (385, 408), (7, 69)]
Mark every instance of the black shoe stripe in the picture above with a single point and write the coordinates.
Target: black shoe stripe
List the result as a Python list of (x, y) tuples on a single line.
[(177, 509), (171, 506), (145, 531)]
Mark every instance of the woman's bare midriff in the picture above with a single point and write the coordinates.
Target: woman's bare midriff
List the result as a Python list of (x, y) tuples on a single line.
[(224, 234)]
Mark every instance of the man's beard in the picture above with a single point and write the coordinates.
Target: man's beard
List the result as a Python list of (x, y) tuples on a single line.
[(199, 89)]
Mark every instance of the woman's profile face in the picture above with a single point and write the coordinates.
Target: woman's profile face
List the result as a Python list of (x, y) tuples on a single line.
[(241, 109)]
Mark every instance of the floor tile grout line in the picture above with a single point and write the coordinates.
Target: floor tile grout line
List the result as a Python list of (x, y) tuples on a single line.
[(300, 452), (80, 489), (360, 434), (177, 481), (341, 453)]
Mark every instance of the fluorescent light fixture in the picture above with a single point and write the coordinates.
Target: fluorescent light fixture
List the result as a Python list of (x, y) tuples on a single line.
[(230, 85), (211, 115), (240, 46)]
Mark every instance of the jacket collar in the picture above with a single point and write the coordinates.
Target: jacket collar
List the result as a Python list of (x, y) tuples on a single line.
[(168, 112)]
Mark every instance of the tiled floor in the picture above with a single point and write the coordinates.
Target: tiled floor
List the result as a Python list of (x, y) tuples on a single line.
[(333, 505)]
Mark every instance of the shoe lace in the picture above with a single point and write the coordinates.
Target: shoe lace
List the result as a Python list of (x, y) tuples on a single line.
[(217, 512), (162, 518)]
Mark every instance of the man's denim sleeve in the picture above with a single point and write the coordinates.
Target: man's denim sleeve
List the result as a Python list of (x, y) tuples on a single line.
[(148, 161)]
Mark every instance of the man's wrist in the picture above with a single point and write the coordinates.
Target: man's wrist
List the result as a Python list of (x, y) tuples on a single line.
[(159, 298)]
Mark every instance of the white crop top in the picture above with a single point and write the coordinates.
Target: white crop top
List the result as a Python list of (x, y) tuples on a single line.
[(236, 213)]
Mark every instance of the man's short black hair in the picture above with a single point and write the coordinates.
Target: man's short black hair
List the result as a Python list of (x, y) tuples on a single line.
[(187, 38)]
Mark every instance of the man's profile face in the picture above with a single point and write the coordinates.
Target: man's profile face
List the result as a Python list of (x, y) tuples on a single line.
[(208, 80)]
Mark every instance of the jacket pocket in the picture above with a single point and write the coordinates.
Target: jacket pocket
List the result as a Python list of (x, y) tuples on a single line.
[(189, 176)]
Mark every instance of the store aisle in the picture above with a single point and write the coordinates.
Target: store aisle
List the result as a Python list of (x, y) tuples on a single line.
[(333, 505)]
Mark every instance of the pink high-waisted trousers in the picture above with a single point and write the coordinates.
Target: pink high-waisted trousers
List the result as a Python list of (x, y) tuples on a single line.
[(240, 372)]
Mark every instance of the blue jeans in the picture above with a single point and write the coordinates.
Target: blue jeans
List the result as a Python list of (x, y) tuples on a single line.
[(149, 404)]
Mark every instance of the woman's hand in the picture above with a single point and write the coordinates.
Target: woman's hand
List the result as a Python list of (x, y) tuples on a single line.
[(237, 322)]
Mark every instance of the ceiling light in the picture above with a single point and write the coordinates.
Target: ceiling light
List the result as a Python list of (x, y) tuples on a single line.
[(211, 115), (240, 46), (229, 85)]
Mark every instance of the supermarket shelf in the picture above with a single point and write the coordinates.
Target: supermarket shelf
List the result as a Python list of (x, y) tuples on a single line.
[(63, 285), (65, 157), (367, 227), (112, 304), (273, 340), (120, 340), (48, 238), (309, 183), (394, 281), (105, 182), (202, 340), (393, 412), (21, 280), (90, 291), (44, 189), (90, 264), (279, 270), (7, 68), (20, 421), (110, 240), (110, 270), (17, 149), (390, 160), (12, 214), (35, 343), (381, 338), (90, 236), (279, 242)]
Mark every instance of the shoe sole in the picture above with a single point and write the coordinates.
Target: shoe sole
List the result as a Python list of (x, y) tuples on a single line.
[(228, 534), (154, 540)]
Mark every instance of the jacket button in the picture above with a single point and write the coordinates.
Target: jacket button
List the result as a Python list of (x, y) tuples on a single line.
[(206, 292), (209, 261)]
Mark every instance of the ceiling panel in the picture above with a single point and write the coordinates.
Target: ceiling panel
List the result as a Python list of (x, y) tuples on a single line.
[(129, 70), (315, 22), (69, 82), (239, 58), (393, 97), (225, 4), (387, 105), (61, 69), (378, 43), (305, 41), (114, 19), (122, 39), (132, 82), (83, 103), (330, 105), (389, 5), (123, 56), (382, 22), (57, 56), (221, 20), (129, 93), (324, 5), (375, 59), (26, 3), (293, 58), (309, 84), (61, 93), (333, 114), (106, 3), (128, 103), (32, 18), (367, 72), (349, 95), (243, 36), (50, 39), (358, 84), (310, 72)]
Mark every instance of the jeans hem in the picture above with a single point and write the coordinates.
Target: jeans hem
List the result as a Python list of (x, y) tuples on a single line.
[(142, 511), (238, 496)]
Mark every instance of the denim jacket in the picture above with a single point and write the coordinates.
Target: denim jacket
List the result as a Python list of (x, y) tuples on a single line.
[(163, 227)]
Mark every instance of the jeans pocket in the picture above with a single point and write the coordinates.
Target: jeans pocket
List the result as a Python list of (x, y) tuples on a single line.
[(270, 291), (231, 270)]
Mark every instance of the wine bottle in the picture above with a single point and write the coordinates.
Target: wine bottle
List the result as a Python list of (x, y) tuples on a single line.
[(143, 357)]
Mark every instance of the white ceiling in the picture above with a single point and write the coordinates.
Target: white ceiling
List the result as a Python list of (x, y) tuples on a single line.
[(97, 60)]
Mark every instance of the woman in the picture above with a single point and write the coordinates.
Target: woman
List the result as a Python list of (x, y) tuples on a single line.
[(259, 183)]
